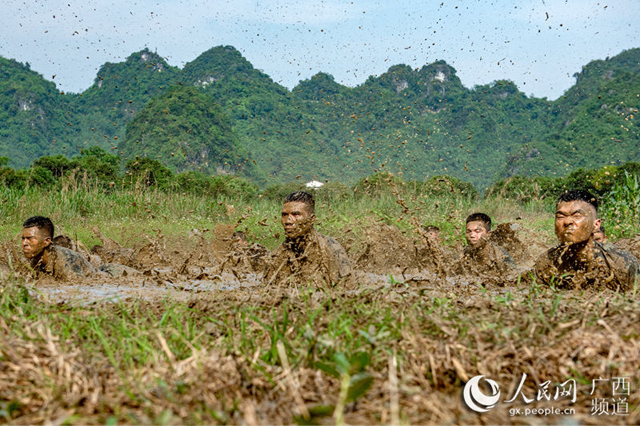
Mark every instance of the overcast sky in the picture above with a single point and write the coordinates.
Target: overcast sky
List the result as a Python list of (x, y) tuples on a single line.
[(538, 44)]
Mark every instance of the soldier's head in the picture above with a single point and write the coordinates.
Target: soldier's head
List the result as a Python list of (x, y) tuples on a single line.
[(600, 235), (37, 233), (62, 241), (576, 217), (239, 238), (433, 232), (478, 229), (298, 214)]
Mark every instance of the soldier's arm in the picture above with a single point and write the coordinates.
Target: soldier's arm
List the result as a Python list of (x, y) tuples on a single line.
[(340, 262), (542, 269), (73, 264), (274, 263), (511, 264), (627, 267), (507, 260)]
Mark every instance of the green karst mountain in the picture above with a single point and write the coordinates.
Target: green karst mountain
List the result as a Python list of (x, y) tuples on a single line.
[(34, 117), (118, 93), (186, 130), (221, 115), (592, 124)]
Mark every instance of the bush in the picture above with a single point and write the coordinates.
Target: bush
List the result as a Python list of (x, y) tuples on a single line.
[(233, 186), (524, 189), (9, 177), (149, 172), (59, 165), (594, 180), (449, 185), (193, 182), (599, 182), (332, 192), (621, 206), (95, 163), (37, 176), (378, 184), (200, 184), (631, 168), (279, 192), (99, 164)]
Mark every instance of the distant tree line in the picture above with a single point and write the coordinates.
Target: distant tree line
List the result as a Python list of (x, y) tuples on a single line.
[(96, 168)]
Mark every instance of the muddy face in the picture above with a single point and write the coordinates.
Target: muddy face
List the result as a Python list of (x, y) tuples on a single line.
[(435, 236), (297, 220), (34, 242), (599, 237), (476, 234), (575, 222)]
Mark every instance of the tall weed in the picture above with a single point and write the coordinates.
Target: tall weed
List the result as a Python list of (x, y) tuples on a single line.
[(621, 207)]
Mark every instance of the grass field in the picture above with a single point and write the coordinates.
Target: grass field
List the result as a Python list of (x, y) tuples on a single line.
[(395, 353)]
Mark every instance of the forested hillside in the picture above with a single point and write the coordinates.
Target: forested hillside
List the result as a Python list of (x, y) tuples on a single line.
[(118, 93), (189, 131), (221, 115), (33, 115), (592, 125)]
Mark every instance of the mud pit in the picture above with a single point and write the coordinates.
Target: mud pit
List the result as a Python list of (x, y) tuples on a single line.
[(235, 351), (213, 262)]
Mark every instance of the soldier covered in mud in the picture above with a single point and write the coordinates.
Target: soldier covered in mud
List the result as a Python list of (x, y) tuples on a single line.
[(481, 256), (433, 232), (579, 261), (600, 235), (306, 255), (48, 258)]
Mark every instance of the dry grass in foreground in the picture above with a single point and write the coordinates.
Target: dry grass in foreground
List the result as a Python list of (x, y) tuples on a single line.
[(393, 354)]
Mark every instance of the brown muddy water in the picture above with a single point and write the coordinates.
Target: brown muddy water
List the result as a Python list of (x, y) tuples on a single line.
[(179, 269)]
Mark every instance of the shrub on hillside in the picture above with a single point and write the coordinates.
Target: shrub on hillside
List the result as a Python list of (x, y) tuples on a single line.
[(99, 164), (377, 184), (200, 184), (148, 172), (524, 189), (620, 207), (38, 176), (194, 183), (278, 192), (588, 179), (449, 185), (333, 191), (58, 165), (230, 185), (94, 164), (10, 177)]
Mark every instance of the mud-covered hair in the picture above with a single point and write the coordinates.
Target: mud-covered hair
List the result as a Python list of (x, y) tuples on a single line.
[(302, 197), (40, 222), (431, 228), (578, 195), (239, 235), (480, 217), (62, 241)]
